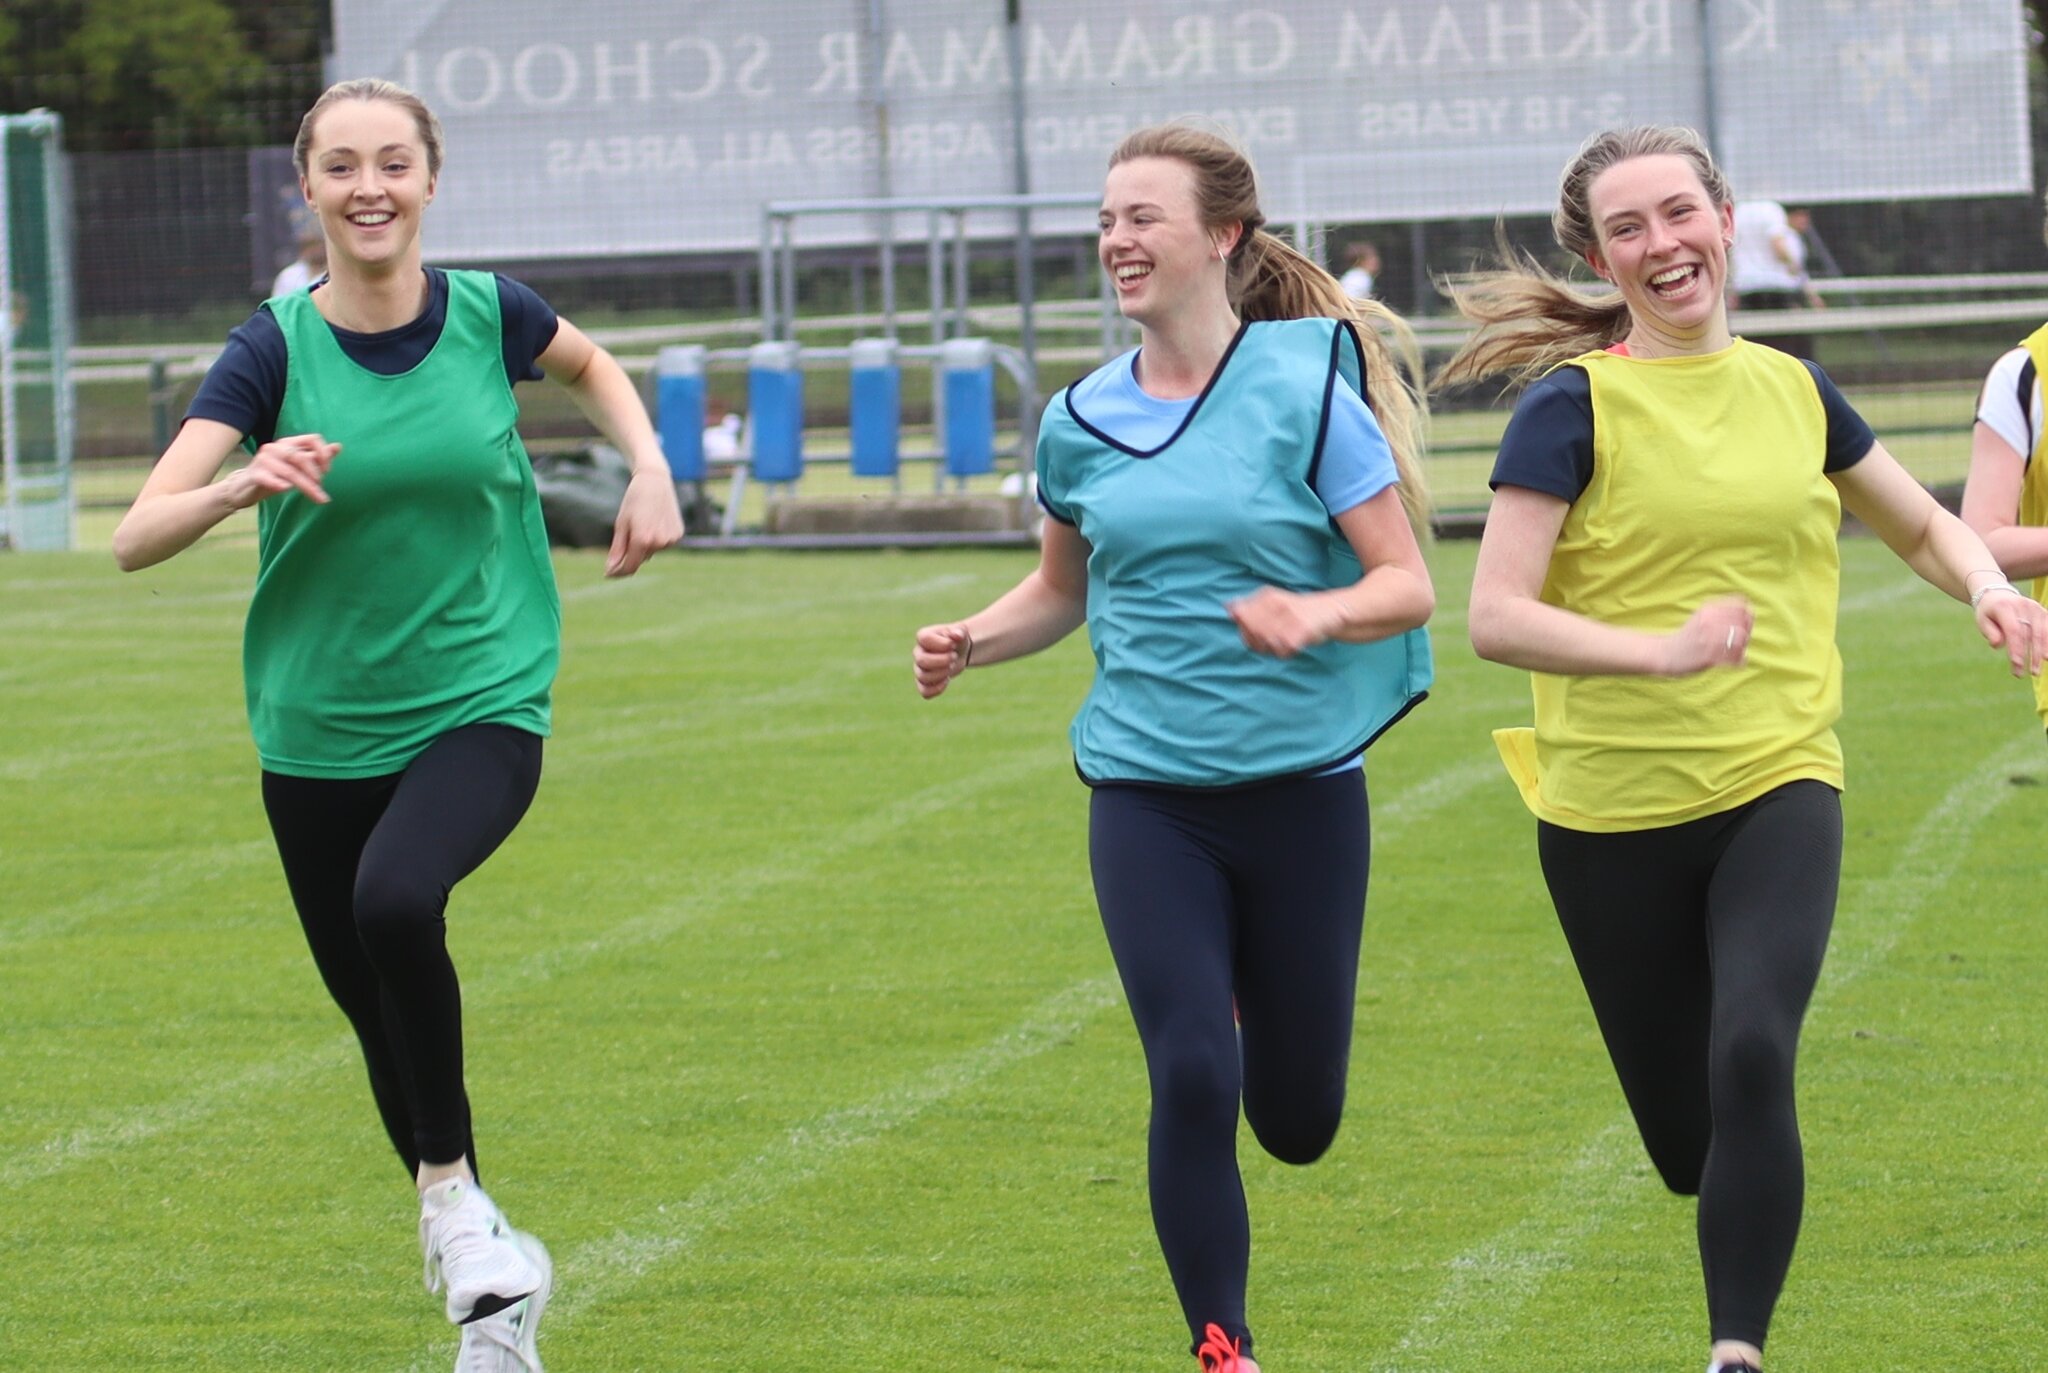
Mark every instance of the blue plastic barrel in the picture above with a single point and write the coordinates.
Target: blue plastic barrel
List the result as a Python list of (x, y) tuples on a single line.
[(679, 404), (775, 414), (969, 369), (877, 407)]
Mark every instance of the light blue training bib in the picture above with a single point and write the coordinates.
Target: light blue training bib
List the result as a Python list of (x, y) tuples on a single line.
[(1225, 506)]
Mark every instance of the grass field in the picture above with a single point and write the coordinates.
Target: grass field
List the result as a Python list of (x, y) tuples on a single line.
[(791, 1027)]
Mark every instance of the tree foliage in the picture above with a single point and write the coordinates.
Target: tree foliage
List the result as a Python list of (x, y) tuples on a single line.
[(160, 73)]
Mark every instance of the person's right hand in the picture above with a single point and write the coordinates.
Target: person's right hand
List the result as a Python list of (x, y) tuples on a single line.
[(1716, 635), (293, 463), (940, 656)]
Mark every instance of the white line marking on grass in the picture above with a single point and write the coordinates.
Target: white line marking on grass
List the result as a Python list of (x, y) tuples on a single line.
[(1447, 622), (121, 1131), (72, 625), (1432, 794), (113, 750), (597, 1270), (746, 611), (1877, 597), (1877, 911), (202, 1098), (626, 731), (706, 896), (1488, 1285), (176, 871)]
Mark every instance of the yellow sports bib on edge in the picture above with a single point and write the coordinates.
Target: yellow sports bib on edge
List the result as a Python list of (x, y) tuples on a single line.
[(2034, 500), (1707, 482)]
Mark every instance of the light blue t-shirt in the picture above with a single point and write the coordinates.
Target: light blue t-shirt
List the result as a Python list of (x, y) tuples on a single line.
[(1357, 462)]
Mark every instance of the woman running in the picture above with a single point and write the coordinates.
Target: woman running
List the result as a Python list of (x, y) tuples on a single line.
[(1661, 556), (402, 640), (2006, 497), (1230, 519)]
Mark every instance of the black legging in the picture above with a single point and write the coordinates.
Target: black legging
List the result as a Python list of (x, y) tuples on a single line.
[(1699, 945), (1259, 895), (370, 862)]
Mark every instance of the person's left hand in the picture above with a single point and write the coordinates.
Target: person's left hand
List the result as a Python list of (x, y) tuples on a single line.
[(1283, 623), (2015, 622), (649, 521)]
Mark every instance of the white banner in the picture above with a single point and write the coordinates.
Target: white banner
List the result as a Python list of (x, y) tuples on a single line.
[(612, 127)]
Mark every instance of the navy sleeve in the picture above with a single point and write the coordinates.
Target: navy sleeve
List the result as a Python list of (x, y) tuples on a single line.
[(1849, 437), (1047, 482), (245, 386), (1548, 445), (530, 325)]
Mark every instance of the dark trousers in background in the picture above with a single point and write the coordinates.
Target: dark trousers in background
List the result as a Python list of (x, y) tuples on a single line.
[(1798, 345)]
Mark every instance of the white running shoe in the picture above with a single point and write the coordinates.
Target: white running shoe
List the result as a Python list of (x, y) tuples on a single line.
[(504, 1343), (471, 1250)]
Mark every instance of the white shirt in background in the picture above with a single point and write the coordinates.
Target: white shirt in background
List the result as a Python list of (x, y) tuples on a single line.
[(1761, 231), (296, 276), (1999, 406)]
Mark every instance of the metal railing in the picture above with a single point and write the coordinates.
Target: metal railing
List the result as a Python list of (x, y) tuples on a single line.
[(167, 366), (1012, 360), (947, 289)]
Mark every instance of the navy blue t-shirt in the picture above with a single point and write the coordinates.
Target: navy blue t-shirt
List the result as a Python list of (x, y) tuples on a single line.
[(1548, 445), (245, 386)]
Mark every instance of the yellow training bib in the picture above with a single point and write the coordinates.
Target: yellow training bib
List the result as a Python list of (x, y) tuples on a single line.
[(1707, 482)]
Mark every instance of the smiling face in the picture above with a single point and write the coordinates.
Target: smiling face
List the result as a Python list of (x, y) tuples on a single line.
[(367, 178), (1159, 255), (1663, 242)]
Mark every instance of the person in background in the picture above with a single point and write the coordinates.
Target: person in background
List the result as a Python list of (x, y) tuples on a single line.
[(1661, 556), (1361, 271), (1767, 268), (306, 268), (401, 644), (1234, 511), (2005, 498), (722, 432)]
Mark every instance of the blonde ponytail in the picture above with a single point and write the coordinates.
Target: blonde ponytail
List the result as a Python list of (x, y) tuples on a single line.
[(1529, 321), (1271, 280)]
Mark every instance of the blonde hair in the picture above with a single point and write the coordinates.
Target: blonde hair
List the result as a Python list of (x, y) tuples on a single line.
[(1267, 279), (369, 88), (1530, 319)]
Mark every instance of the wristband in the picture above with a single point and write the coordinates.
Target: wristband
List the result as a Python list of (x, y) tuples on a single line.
[(1985, 590)]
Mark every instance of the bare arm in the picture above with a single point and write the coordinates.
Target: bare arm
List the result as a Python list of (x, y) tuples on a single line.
[(1991, 506), (649, 518), (180, 501), (1510, 623), (1941, 548), (1945, 552), (1393, 596), (1049, 604)]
